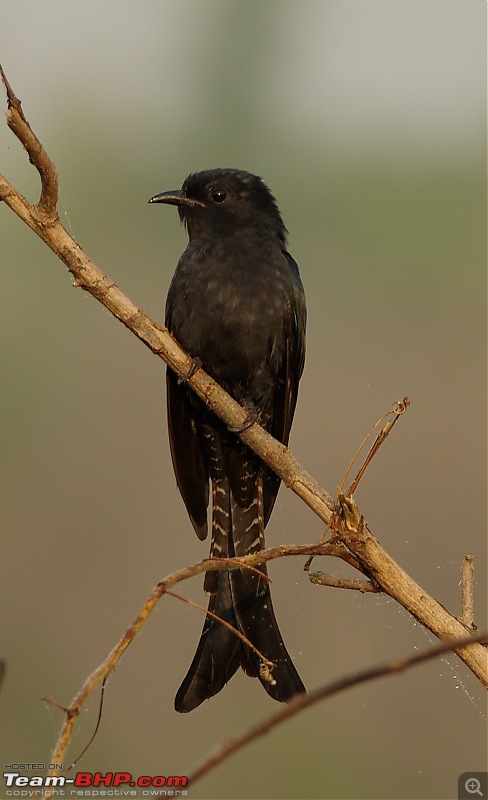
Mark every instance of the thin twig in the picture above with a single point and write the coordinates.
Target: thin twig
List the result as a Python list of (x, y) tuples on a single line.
[(226, 624), (398, 409), (303, 701), (467, 589), (321, 579)]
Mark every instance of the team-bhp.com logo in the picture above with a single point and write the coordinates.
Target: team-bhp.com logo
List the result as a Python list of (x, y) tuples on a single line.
[(108, 784)]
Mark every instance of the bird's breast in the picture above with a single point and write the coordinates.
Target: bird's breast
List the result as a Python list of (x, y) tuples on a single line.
[(227, 306)]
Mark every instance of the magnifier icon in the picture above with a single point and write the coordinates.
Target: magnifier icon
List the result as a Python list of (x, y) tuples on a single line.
[(473, 786)]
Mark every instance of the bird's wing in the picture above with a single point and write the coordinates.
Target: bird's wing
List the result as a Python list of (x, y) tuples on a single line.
[(286, 394), (187, 454)]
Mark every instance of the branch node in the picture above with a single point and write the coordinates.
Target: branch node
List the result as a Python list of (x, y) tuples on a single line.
[(55, 704)]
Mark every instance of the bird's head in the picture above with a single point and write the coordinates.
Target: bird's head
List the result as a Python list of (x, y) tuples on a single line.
[(225, 202)]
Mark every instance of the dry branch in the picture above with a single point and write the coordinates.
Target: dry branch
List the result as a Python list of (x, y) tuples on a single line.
[(303, 701)]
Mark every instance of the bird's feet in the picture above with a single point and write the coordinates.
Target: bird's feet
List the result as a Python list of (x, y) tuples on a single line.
[(196, 364), (252, 417)]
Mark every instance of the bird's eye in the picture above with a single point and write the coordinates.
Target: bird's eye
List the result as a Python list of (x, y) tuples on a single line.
[(218, 195)]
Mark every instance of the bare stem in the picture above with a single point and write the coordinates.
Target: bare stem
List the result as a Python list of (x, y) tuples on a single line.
[(467, 588), (303, 701)]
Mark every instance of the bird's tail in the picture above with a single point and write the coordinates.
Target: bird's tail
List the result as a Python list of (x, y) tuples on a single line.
[(240, 597), (220, 652)]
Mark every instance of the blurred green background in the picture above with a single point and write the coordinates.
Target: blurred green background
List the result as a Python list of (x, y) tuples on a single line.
[(367, 120)]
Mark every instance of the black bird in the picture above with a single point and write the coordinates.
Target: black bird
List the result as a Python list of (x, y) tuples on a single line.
[(236, 304)]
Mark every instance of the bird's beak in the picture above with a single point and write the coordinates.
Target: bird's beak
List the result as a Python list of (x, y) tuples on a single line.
[(175, 198)]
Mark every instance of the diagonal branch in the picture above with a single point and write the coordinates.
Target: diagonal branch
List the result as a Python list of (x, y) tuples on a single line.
[(303, 701)]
